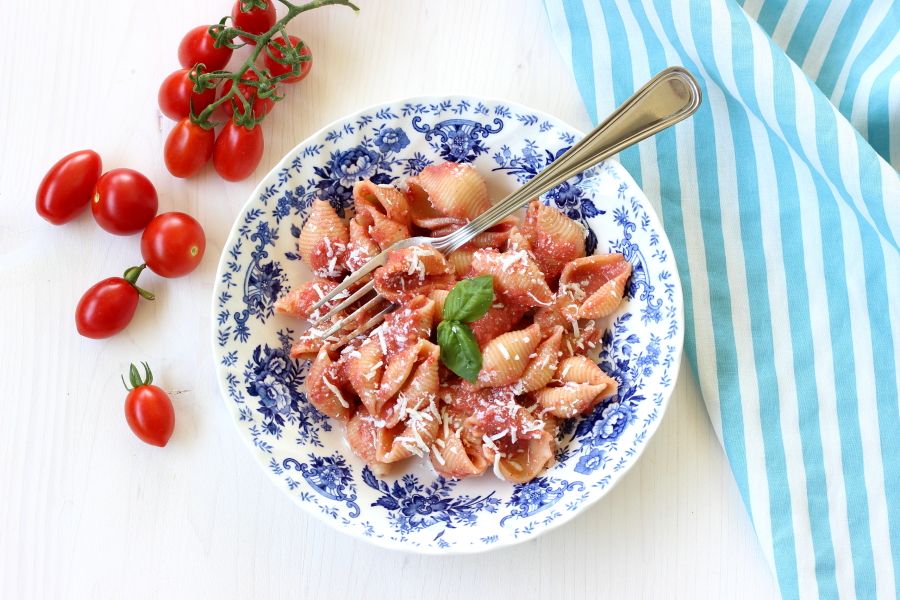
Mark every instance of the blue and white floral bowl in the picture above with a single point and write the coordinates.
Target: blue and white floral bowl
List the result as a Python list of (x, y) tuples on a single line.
[(304, 452)]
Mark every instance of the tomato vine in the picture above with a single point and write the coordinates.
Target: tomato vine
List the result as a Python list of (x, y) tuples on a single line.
[(265, 85)]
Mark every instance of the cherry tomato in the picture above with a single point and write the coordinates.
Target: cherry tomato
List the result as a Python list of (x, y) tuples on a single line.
[(256, 21), (238, 151), (198, 46), (124, 201), (177, 96), (148, 408), (188, 148), (108, 306), (277, 68), (67, 187), (173, 244), (259, 106)]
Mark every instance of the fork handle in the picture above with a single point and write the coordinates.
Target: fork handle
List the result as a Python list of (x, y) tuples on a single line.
[(671, 96)]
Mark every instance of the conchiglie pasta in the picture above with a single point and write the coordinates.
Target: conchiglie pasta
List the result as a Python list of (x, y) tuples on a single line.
[(323, 392), (299, 301), (323, 241), (517, 278), (532, 457), (602, 280), (385, 199), (506, 357), (361, 247), (543, 362), (413, 271), (570, 399), (499, 319), (454, 190), (554, 238), (461, 260)]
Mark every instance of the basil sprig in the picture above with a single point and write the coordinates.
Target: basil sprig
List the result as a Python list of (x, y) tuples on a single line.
[(468, 301)]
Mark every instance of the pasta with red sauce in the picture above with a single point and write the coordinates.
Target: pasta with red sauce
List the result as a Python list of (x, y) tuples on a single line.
[(536, 338)]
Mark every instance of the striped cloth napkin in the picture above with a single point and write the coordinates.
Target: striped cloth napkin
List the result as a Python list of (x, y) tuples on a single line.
[(784, 214)]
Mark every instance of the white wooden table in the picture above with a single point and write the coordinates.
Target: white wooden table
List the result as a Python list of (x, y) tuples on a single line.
[(87, 511)]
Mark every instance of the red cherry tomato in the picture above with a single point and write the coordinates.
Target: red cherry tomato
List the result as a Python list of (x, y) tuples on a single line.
[(257, 20), (67, 187), (273, 54), (188, 148), (124, 201), (148, 409), (238, 151), (177, 96), (108, 306), (198, 46), (259, 106), (173, 244)]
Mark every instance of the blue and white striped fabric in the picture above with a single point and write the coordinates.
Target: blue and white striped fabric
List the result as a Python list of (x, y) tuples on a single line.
[(785, 218)]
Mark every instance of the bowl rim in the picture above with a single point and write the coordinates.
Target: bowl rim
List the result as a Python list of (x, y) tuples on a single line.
[(455, 549)]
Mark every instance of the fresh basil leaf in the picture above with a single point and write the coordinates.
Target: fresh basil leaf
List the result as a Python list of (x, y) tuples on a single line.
[(469, 299), (459, 350)]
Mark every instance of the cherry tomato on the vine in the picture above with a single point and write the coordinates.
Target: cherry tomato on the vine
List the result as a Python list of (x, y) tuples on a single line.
[(67, 187), (274, 54), (258, 20), (124, 201), (148, 408), (173, 244), (107, 307), (259, 106), (238, 151), (188, 148), (177, 96), (198, 46)]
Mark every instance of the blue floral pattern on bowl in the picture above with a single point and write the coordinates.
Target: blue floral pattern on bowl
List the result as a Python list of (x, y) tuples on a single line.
[(415, 509)]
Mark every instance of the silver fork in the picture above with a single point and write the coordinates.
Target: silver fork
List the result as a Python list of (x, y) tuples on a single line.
[(671, 96)]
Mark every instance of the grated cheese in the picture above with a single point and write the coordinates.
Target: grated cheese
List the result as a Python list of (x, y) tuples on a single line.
[(503, 350), (336, 392)]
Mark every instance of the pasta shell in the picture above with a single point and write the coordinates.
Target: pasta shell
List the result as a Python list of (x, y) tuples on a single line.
[(528, 461), (362, 436), (517, 278), (385, 199), (580, 369), (365, 368), (561, 312), (542, 367), (395, 375), (461, 261), (323, 240), (555, 239), (415, 436), (413, 271), (569, 400), (439, 297), (516, 241), (584, 341), (384, 231), (506, 357), (601, 279), (408, 324), (298, 302), (454, 190), (452, 457), (499, 319), (361, 247), (323, 393)]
